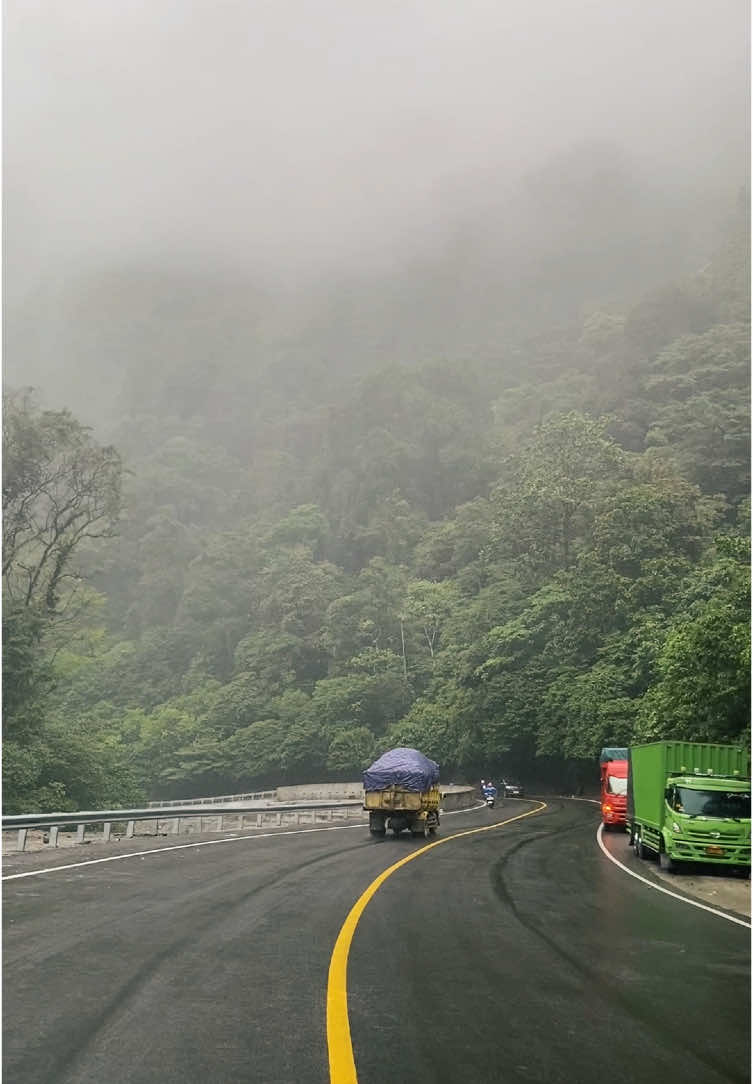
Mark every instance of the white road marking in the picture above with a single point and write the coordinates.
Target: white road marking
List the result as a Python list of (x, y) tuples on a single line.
[(205, 843), (666, 891)]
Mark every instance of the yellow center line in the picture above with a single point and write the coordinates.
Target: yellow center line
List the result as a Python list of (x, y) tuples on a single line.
[(342, 1067)]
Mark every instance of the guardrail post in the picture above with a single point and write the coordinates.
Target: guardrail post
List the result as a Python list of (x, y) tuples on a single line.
[(129, 829), (21, 843), (106, 830), (279, 819), (80, 832), (176, 826), (54, 835)]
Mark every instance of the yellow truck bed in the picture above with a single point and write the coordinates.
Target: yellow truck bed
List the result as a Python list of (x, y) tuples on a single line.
[(396, 798)]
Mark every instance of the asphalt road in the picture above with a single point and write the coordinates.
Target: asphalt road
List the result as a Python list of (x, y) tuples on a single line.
[(514, 955)]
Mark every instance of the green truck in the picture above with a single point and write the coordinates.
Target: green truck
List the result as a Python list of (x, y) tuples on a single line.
[(689, 802)]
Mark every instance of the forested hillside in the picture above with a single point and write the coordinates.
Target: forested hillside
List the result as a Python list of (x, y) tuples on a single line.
[(275, 573)]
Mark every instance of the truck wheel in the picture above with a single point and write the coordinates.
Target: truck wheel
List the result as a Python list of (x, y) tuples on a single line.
[(397, 830), (667, 863), (376, 825), (640, 848)]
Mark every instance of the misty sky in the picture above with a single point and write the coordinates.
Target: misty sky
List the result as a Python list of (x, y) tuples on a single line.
[(309, 134)]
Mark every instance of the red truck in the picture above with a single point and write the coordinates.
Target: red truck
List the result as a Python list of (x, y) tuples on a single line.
[(614, 776)]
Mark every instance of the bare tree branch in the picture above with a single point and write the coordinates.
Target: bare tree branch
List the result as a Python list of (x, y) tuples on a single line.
[(59, 488)]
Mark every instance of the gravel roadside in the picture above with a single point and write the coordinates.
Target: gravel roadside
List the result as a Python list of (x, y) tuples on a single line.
[(713, 886)]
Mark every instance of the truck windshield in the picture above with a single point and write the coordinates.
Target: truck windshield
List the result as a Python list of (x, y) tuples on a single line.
[(712, 803), (616, 784)]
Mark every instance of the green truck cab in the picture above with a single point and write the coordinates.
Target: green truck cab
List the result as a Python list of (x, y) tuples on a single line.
[(689, 802)]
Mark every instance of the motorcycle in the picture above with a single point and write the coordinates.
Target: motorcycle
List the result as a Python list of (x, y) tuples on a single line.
[(490, 800)]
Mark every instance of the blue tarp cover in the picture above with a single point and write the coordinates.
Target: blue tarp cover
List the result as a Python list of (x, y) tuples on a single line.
[(613, 752), (402, 768)]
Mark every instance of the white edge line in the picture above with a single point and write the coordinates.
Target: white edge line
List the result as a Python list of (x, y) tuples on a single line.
[(203, 843), (666, 891)]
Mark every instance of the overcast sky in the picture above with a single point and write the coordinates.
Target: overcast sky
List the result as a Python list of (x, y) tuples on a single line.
[(312, 133)]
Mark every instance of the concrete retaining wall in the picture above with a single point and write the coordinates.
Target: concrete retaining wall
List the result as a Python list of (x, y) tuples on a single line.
[(458, 798)]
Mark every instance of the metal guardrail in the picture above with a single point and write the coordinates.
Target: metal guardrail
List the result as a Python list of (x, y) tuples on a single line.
[(201, 810), (257, 796), (23, 822)]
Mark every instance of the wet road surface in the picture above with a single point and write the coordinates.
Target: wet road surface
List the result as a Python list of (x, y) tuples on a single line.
[(515, 955)]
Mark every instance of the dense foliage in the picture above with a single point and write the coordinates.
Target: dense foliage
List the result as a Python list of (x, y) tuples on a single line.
[(491, 560)]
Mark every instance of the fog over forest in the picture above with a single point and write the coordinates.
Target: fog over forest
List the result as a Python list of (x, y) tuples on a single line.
[(338, 290), (351, 169)]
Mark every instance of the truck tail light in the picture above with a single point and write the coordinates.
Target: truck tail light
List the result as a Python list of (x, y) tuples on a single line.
[(607, 808)]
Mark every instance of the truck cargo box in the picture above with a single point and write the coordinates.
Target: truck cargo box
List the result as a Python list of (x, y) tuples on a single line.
[(651, 765), (398, 798)]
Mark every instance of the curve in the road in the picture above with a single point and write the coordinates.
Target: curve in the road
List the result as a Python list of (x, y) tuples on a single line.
[(342, 1068), (667, 891), (518, 955)]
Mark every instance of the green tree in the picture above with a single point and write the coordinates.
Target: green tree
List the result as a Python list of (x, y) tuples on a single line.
[(59, 489), (702, 692), (544, 511), (428, 605), (350, 751)]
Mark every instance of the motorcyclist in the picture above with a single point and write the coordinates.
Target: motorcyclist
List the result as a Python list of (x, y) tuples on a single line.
[(488, 789)]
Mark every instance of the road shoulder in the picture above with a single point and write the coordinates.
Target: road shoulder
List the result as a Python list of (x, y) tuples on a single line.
[(711, 885)]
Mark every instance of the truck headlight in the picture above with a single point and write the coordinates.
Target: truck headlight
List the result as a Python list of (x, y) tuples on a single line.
[(675, 826)]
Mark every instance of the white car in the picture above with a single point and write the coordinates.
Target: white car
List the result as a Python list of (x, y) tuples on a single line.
[(511, 788)]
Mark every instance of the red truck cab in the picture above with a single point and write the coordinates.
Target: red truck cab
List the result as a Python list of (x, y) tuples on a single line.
[(614, 773)]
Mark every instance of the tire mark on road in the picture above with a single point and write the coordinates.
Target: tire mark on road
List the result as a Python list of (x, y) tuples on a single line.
[(79, 1040)]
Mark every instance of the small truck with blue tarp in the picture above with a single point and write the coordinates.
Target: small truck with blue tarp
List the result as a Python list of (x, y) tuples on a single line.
[(689, 802), (401, 792)]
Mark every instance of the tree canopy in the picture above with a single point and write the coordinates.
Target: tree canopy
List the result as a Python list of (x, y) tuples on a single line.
[(495, 560)]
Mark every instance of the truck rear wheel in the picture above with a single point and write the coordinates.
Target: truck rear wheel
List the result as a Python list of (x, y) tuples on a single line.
[(376, 824), (641, 849)]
